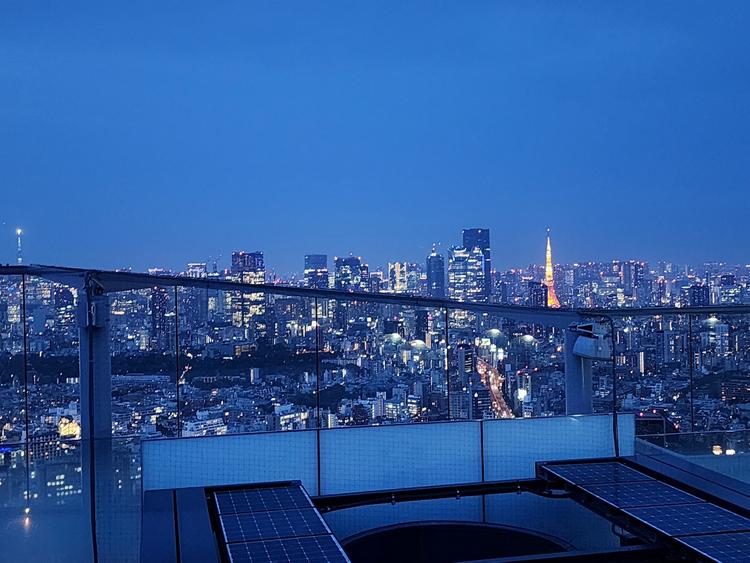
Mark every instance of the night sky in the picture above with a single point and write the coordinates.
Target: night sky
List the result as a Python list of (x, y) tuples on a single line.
[(157, 133)]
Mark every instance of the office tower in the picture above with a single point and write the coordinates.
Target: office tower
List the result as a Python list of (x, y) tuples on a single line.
[(19, 253), (250, 266), (350, 274), (248, 309), (397, 277), (196, 270), (549, 277), (730, 292), (480, 238), (466, 275), (421, 324), (481, 402), (375, 283), (192, 307), (159, 326), (698, 295), (464, 363), (316, 271), (631, 273), (413, 276), (537, 294), (435, 275)]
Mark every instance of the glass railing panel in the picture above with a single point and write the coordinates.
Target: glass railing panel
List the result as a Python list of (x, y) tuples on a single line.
[(503, 368), (74, 487), (652, 364), (721, 368), (398, 456), (52, 361), (680, 373), (387, 362), (144, 381), (12, 397), (248, 362)]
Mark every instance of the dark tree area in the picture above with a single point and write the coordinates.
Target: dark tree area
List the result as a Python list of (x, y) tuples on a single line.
[(329, 397), (49, 369)]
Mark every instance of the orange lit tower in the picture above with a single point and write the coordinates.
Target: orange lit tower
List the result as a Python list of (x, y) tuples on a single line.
[(549, 278)]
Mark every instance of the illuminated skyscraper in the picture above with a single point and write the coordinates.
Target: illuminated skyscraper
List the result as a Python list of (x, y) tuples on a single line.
[(196, 270), (480, 238), (250, 266), (537, 294), (397, 277), (316, 271), (248, 309), (19, 254), (435, 275), (160, 326), (351, 274), (549, 277), (466, 275)]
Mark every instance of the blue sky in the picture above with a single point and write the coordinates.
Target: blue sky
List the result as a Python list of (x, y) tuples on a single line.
[(141, 133)]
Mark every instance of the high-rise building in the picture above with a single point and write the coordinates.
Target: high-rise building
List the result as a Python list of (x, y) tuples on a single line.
[(244, 263), (480, 238), (196, 270), (466, 275), (481, 402), (19, 251), (549, 277), (397, 277), (537, 294), (316, 271), (248, 309), (632, 276), (698, 295), (160, 328), (435, 275), (350, 274), (421, 324)]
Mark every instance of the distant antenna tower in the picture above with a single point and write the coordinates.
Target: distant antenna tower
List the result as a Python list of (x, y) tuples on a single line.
[(19, 253)]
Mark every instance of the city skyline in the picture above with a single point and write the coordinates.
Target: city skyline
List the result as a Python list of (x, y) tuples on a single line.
[(223, 258)]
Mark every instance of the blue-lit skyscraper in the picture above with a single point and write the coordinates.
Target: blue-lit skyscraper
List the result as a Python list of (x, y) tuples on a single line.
[(435, 275), (316, 271), (480, 238)]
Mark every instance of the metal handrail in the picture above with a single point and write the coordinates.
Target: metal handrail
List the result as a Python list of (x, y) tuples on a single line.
[(122, 281)]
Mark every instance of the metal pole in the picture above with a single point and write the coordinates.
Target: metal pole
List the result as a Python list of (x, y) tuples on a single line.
[(92, 433), (615, 425), (690, 371), (177, 357), (447, 362), (25, 368), (317, 390)]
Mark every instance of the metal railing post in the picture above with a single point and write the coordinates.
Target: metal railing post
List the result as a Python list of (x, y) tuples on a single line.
[(317, 393)]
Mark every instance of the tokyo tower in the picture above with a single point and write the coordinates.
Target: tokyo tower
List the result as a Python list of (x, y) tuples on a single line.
[(549, 278)]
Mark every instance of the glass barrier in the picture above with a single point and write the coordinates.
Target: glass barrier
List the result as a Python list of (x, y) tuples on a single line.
[(144, 362), (680, 373), (52, 361), (247, 362), (381, 363), (55, 522), (502, 368), (12, 388), (195, 362)]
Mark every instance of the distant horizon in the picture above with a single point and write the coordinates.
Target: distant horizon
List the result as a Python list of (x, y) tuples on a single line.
[(224, 262)]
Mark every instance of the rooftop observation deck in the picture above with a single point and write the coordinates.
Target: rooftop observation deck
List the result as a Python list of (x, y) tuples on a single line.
[(388, 410)]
